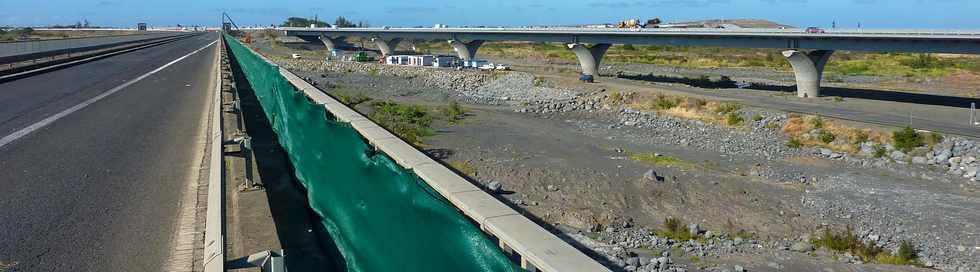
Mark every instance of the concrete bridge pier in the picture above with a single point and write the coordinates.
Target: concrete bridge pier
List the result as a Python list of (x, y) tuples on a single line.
[(589, 56), (808, 67), (387, 47), (466, 50), (330, 43)]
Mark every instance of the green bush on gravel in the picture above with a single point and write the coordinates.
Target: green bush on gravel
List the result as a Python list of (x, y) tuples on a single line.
[(826, 137), (907, 139), (410, 122), (349, 98), (453, 112), (733, 119), (794, 143), (867, 251), (675, 228)]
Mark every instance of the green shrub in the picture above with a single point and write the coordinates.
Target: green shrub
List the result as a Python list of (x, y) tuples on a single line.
[(666, 103), (727, 107), (924, 61), (907, 139), (733, 119), (906, 255), (757, 118), (867, 251), (879, 151), (351, 99), (453, 112), (615, 98), (794, 143), (859, 137), (906, 251), (826, 137), (676, 229), (817, 122), (411, 122)]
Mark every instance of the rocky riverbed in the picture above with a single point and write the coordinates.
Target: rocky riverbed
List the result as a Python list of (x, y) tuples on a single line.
[(928, 197)]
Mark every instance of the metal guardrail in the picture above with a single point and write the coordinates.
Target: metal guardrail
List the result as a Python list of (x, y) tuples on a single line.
[(28, 50), (536, 248)]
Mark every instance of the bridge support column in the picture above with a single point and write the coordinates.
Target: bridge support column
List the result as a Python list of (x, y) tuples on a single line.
[(589, 57), (466, 50), (387, 47), (808, 67), (329, 42)]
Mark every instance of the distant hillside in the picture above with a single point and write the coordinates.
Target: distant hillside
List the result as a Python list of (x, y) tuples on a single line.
[(746, 23)]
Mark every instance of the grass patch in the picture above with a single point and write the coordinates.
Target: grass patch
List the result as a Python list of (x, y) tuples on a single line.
[(800, 127), (453, 112), (349, 98), (816, 122), (794, 143), (732, 229), (615, 98), (733, 119), (726, 107), (868, 251), (463, 167), (826, 137), (674, 228), (410, 122), (859, 137), (661, 160), (666, 103), (932, 138)]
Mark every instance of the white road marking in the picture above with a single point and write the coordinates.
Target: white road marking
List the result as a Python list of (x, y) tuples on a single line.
[(47, 121)]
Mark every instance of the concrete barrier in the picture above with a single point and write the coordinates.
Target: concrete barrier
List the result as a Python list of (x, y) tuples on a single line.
[(28, 50), (214, 238)]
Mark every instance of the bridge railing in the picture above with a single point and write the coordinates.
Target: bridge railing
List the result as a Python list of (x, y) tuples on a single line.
[(840, 31), (29, 50)]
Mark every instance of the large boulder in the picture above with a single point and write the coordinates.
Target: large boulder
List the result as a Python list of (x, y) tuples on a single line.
[(919, 160), (801, 247), (943, 157), (897, 155)]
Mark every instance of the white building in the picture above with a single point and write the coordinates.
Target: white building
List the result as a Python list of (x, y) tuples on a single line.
[(444, 61), (425, 60), (397, 60)]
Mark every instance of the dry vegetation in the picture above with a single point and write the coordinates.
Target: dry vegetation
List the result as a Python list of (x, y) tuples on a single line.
[(803, 130), (724, 113), (833, 136)]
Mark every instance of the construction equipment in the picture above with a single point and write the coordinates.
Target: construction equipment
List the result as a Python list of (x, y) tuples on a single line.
[(630, 23), (635, 23), (653, 23), (361, 57)]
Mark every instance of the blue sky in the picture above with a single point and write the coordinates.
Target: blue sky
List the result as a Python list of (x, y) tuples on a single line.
[(961, 14)]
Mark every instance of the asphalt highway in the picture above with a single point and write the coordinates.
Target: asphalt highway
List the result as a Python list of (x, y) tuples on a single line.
[(98, 187)]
